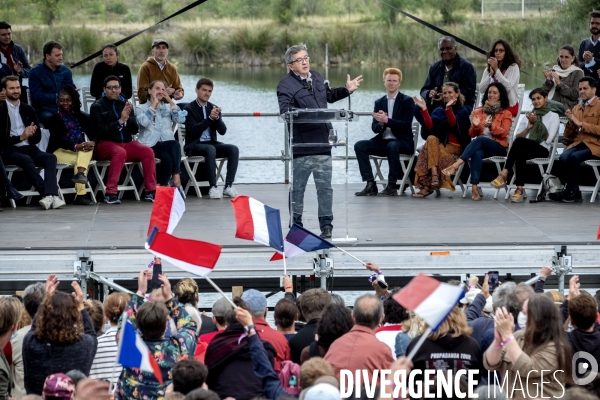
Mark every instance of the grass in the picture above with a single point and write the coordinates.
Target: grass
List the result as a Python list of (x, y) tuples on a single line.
[(350, 41)]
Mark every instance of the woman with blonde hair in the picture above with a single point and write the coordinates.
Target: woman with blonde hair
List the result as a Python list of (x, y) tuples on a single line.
[(411, 328), (104, 361), (186, 291)]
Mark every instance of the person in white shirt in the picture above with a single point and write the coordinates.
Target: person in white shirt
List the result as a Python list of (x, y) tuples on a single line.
[(504, 67)]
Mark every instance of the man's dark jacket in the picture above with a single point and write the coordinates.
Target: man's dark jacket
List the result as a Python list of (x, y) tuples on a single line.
[(18, 54), (302, 339), (462, 73), (195, 124), (28, 116), (292, 93), (399, 121), (106, 121), (58, 130)]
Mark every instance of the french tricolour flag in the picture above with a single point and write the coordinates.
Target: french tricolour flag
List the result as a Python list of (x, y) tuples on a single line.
[(430, 299), (194, 256), (300, 240), (133, 352), (258, 222), (167, 210)]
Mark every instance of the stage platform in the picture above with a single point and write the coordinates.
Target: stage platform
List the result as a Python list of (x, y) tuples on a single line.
[(446, 234)]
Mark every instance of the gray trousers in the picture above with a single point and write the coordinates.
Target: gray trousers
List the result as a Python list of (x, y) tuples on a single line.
[(320, 167)]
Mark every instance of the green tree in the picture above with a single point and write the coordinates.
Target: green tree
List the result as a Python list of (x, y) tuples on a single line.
[(580, 9), (448, 8), (49, 9), (391, 13), (284, 11)]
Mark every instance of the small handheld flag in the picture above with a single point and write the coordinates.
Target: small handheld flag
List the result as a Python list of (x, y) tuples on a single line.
[(300, 240), (167, 210), (133, 352), (257, 221)]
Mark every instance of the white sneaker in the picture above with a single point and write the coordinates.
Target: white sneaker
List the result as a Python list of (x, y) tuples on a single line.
[(213, 193), (230, 191), (57, 202), (46, 202)]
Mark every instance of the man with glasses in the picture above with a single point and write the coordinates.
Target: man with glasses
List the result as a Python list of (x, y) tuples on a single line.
[(115, 124), (305, 89), (451, 68), (589, 49)]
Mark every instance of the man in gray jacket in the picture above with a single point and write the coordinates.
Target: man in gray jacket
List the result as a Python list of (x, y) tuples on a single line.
[(306, 89)]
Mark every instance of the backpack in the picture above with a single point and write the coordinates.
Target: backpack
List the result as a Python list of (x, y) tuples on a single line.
[(289, 375), (550, 184)]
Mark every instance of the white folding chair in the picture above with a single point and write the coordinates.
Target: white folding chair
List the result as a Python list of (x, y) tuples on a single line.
[(406, 162), (594, 164), (100, 168), (10, 170), (71, 190), (142, 186), (87, 99), (135, 99), (194, 160)]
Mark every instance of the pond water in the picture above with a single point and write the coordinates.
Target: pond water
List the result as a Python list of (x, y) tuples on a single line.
[(250, 89)]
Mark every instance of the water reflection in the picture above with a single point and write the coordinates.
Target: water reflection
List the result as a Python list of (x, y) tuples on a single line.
[(250, 89)]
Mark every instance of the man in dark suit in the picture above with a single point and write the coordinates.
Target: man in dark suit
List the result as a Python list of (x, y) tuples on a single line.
[(392, 121), (201, 126)]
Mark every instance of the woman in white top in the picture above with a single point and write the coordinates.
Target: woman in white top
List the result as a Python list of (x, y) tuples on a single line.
[(534, 140), (104, 366), (155, 118), (503, 67)]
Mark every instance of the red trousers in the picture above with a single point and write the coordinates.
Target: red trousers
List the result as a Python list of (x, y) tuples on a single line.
[(120, 153)]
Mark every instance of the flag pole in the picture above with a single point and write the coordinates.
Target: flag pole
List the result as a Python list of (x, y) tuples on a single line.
[(219, 290), (419, 343), (362, 262), (284, 265)]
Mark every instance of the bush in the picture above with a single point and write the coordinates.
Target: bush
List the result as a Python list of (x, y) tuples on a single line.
[(117, 7), (200, 44)]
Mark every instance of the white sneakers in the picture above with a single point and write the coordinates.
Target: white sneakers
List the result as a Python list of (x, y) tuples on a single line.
[(229, 191), (51, 202)]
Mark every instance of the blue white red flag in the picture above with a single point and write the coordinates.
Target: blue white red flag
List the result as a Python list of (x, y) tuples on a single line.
[(300, 240), (133, 352), (167, 210), (257, 221), (430, 299)]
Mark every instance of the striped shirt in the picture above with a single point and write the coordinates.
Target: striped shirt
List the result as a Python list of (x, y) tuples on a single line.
[(104, 362)]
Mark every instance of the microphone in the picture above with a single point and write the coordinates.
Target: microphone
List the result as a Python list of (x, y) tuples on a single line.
[(309, 83), (327, 87), (294, 95)]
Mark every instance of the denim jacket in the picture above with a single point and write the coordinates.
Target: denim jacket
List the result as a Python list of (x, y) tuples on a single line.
[(157, 126)]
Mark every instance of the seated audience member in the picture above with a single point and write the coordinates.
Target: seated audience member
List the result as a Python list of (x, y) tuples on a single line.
[(451, 68), (228, 359), (61, 338), (201, 126), (158, 67), (68, 130), (335, 322), (393, 317), (33, 295), (584, 129), (562, 80), (359, 348), (503, 67), (446, 132), (450, 346), (188, 375), (58, 387), (411, 328), (257, 303), (46, 79), (115, 124), (392, 124), (538, 353), (155, 118), (9, 320), (150, 318), (202, 394), (7, 190), (490, 126), (19, 142), (589, 52), (110, 65), (285, 315), (104, 366), (534, 139), (96, 313), (312, 304), (186, 291), (220, 310)]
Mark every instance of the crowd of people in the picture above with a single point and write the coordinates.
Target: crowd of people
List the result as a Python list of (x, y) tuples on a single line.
[(56, 345)]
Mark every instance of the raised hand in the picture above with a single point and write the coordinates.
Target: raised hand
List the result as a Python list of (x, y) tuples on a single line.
[(353, 84), (52, 283), (78, 294), (371, 266), (450, 103), (475, 120), (493, 63), (143, 279), (485, 287), (419, 101), (243, 316), (505, 323), (178, 94), (166, 287), (574, 287)]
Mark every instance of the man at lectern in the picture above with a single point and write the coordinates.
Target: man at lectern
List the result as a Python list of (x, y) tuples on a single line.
[(303, 88)]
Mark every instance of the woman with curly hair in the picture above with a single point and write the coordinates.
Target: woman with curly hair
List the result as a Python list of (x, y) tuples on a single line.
[(62, 337), (335, 322)]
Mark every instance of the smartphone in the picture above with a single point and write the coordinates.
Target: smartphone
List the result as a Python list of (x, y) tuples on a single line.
[(493, 277), (156, 270)]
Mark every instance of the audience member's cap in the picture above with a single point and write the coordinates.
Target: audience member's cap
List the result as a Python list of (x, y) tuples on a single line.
[(322, 391), (58, 386), (255, 300), (221, 307), (160, 41), (470, 296)]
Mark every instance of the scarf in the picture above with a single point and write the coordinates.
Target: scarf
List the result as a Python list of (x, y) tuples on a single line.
[(7, 56), (563, 73), (491, 109), (539, 132)]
